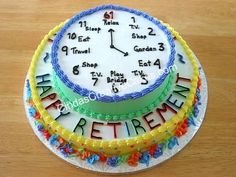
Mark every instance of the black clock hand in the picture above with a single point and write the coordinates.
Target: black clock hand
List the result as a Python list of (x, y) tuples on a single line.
[(125, 53), (112, 45), (111, 31)]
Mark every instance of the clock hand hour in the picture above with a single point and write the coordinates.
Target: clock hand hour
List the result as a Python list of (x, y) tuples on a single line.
[(112, 45), (125, 53)]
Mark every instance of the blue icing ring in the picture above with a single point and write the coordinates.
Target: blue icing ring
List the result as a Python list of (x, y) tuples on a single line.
[(116, 98)]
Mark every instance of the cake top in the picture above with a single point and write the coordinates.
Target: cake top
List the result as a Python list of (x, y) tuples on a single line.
[(100, 43), (115, 52)]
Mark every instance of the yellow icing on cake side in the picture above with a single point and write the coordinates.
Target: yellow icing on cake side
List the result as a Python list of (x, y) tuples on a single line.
[(114, 146)]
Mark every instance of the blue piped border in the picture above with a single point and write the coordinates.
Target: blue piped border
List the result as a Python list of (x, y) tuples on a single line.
[(85, 92)]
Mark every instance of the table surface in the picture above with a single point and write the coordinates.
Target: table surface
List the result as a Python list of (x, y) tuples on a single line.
[(209, 27)]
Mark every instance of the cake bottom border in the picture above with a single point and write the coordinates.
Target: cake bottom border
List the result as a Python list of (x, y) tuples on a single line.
[(178, 143)]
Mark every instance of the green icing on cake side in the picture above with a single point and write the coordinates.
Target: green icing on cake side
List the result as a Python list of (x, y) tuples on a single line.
[(114, 111)]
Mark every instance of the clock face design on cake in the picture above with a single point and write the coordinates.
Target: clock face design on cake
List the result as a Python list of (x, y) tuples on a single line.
[(113, 52)]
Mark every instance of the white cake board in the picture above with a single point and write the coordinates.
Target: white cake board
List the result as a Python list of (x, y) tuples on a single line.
[(125, 168)]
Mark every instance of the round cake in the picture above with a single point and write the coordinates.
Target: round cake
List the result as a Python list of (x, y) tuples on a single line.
[(113, 85)]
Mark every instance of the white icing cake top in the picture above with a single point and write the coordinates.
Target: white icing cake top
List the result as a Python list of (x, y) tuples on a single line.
[(100, 52)]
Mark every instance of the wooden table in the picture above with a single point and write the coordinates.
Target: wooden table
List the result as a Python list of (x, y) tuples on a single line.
[(209, 26)]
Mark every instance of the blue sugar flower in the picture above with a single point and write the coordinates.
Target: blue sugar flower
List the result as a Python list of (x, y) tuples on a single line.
[(92, 159), (145, 158), (27, 83), (172, 142), (195, 111), (68, 148), (158, 152), (63, 152), (198, 95), (28, 95), (40, 127), (28, 91), (32, 111), (53, 140), (112, 161)]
